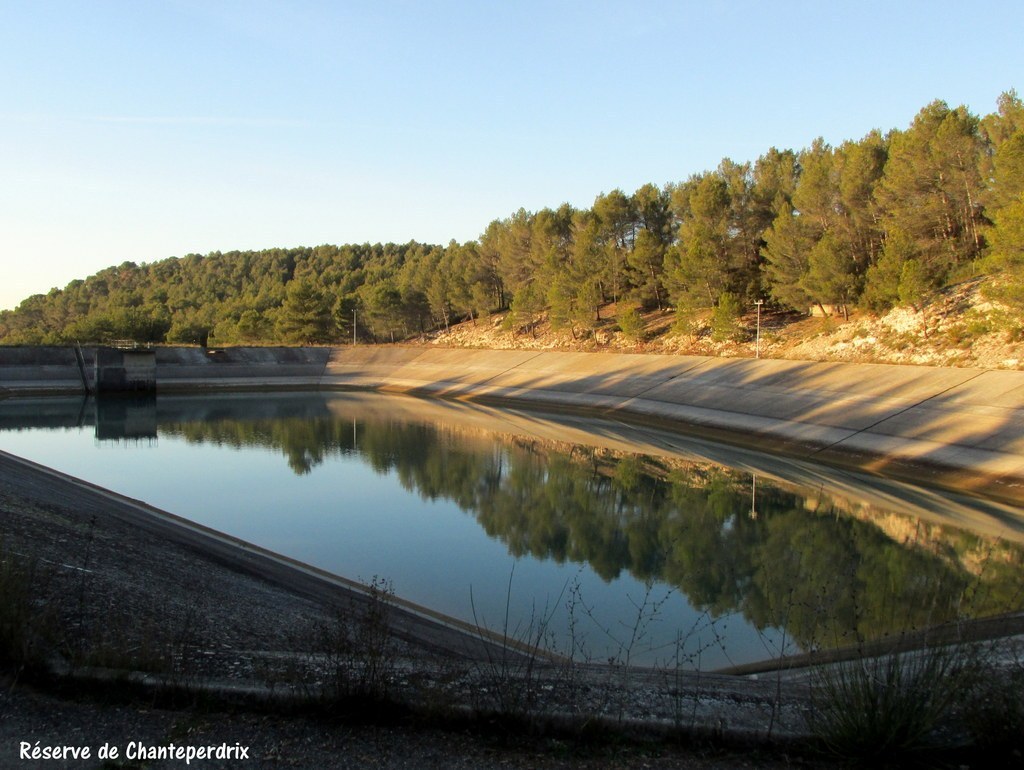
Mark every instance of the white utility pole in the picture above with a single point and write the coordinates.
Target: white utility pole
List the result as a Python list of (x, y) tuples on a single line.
[(757, 338)]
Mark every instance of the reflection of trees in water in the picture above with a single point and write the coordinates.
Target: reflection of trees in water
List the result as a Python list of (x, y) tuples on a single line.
[(305, 441), (827, 578)]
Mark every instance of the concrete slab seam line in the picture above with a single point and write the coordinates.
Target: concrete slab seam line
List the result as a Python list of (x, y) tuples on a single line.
[(687, 370), (323, 371), (506, 371), (888, 417)]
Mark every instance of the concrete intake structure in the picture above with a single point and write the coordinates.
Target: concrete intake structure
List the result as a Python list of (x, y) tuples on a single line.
[(956, 428), (118, 370)]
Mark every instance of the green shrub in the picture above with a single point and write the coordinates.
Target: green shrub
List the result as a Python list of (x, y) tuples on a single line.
[(890, 707), (725, 319), (631, 323)]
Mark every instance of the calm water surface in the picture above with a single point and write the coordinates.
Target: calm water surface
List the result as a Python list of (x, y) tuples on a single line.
[(618, 542)]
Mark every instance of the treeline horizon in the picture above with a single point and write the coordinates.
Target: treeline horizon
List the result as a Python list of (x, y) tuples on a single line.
[(873, 223)]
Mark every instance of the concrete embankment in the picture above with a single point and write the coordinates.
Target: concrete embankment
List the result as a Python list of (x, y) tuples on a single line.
[(961, 428), (52, 369)]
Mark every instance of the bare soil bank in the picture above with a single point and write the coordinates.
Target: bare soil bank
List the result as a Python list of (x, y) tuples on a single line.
[(957, 327)]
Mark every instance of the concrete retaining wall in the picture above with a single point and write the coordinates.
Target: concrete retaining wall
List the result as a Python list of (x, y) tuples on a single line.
[(205, 368), (41, 369), (962, 428), (51, 369)]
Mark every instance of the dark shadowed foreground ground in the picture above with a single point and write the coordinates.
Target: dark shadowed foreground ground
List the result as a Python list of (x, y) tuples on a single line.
[(275, 741)]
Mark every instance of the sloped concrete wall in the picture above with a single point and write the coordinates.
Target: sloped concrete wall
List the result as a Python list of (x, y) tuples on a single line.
[(960, 428), (41, 369), (242, 367)]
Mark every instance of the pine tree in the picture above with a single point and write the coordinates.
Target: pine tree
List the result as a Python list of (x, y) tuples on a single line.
[(931, 189), (306, 314)]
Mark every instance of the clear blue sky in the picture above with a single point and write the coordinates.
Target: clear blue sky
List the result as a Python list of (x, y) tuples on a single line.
[(143, 129)]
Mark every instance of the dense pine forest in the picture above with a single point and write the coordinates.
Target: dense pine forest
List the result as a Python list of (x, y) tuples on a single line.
[(871, 224)]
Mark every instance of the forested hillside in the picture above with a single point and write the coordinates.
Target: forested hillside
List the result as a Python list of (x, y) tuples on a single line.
[(873, 223)]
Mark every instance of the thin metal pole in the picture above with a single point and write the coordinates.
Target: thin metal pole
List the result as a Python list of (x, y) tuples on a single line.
[(353, 326), (757, 339)]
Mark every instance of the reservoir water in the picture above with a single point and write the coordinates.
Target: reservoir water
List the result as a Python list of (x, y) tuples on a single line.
[(596, 538)]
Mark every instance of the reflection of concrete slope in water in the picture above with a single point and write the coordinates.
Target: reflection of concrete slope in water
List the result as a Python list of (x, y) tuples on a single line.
[(984, 517)]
